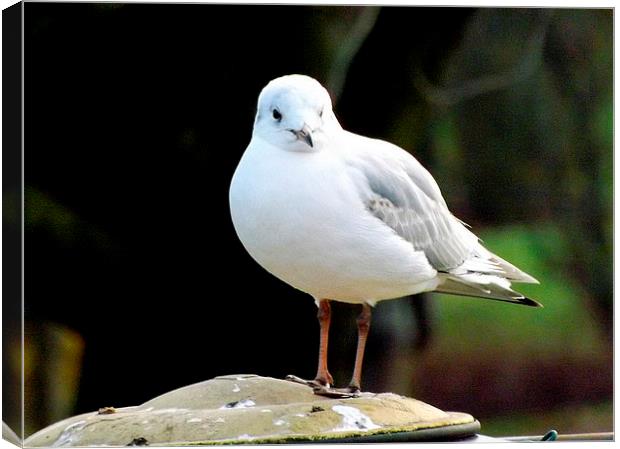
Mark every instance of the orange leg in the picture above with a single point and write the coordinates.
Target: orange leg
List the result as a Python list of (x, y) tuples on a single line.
[(324, 315), (322, 383), (363, 325)]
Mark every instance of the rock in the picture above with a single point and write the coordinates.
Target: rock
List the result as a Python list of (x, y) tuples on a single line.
[(251, 409)]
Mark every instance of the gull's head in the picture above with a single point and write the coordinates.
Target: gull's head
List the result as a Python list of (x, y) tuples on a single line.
[(295, 114)]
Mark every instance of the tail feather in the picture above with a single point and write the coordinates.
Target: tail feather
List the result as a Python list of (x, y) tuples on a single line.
[(482, 286), (500, 266)]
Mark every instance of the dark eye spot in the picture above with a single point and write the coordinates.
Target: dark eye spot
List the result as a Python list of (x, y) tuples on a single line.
[(276, 115), (321, 113)]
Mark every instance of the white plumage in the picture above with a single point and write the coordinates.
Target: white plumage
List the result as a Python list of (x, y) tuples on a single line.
[(351, 218), (348, 218)]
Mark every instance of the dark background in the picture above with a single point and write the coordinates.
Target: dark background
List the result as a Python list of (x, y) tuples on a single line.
[(135, 119)]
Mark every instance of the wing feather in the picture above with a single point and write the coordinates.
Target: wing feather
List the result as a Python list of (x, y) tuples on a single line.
[(401, 193), (405, 196)]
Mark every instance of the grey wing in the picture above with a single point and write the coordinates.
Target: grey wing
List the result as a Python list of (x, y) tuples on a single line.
[(407, 199), (405, 196)]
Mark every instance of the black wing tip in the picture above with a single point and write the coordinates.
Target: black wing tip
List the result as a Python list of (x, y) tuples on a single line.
[(530, 302)]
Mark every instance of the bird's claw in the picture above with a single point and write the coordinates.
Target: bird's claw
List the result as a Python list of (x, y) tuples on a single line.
[(325, 390), (336, 393)]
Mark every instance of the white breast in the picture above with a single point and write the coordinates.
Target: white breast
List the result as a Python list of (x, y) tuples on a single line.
[(330, 249)]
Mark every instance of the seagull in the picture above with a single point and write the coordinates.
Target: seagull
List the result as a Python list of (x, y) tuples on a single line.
[(349, 218)]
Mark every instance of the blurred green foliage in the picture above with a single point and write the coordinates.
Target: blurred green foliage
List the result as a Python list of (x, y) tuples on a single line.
[(44, 214), (578, 418), (528, 129), (563, 325)]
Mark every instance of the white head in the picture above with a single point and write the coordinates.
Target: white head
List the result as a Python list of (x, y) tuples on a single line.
[(295, 114)]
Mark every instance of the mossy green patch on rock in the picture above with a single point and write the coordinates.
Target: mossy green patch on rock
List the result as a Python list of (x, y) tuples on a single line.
[(246, 409)]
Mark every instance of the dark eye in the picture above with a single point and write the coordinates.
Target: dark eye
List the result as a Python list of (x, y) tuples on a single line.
[(321, 113), (277, 115)]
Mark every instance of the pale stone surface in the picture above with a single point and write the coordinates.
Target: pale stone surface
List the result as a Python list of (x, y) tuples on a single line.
[(245, 409)]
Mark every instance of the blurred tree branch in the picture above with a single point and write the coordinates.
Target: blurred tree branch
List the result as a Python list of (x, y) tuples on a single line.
[(526, 64), (348, 48)]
